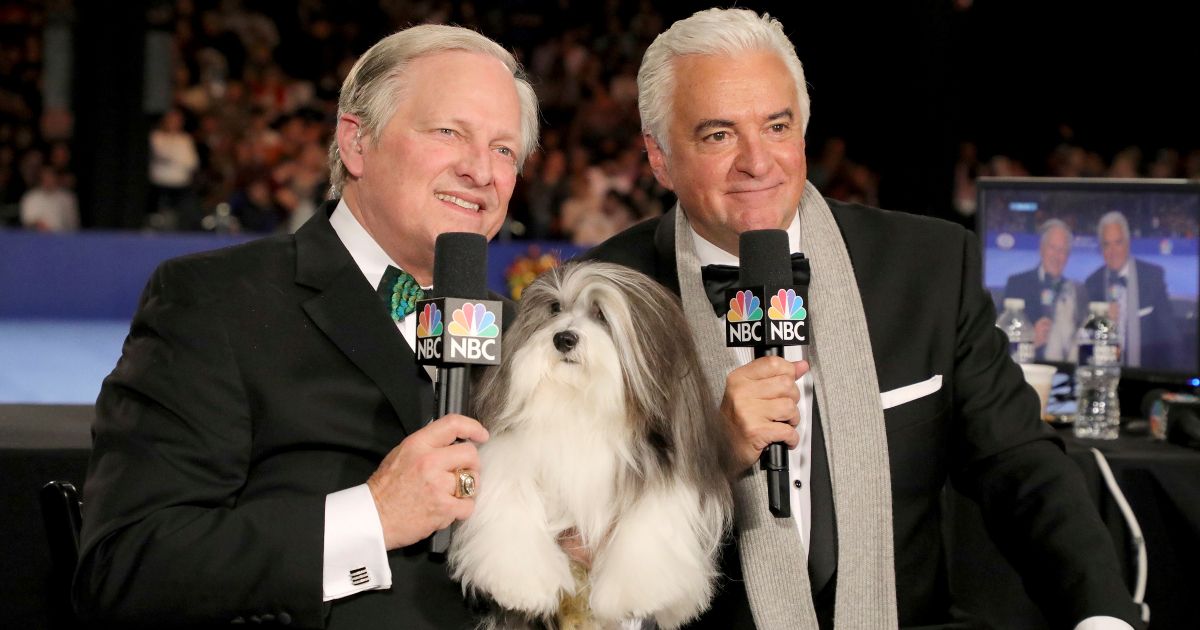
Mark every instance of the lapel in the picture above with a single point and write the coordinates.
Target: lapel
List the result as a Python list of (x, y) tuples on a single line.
[(349, 313)]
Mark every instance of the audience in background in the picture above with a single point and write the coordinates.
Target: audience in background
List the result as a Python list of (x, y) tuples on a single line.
[(254, 87), (49, 206)]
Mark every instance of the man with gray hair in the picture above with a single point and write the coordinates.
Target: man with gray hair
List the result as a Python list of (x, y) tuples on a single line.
[(263, 451), (906, 382), (1136, 292), (1054, 303)]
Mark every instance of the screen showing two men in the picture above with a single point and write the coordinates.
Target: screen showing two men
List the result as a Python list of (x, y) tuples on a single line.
[(1059, 244)]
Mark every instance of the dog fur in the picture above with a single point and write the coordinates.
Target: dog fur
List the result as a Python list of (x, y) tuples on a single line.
[(601, 424)]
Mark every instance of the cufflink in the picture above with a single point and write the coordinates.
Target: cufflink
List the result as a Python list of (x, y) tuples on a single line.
[(359, 576)]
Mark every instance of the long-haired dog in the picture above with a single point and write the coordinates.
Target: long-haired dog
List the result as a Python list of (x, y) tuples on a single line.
[(601, 429)]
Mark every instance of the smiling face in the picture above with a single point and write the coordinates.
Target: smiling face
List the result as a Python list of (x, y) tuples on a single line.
[(737, 146), (445, 162)]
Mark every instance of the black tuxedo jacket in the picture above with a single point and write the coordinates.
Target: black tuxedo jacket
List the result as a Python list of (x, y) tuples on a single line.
[(1162, 347), (255, 380), (928, 314)]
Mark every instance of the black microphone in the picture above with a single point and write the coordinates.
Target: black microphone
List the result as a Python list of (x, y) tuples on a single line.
[(765, 279), (456, 328), (459, 326)]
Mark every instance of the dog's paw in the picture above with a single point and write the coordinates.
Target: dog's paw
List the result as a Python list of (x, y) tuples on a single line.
[(523, 571), (660, 561)]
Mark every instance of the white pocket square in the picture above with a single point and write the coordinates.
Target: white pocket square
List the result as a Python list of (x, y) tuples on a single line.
[(901, 395), (1142, 312)]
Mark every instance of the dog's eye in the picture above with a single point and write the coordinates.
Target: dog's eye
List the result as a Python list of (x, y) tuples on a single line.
[(597, 313), (555, 308)]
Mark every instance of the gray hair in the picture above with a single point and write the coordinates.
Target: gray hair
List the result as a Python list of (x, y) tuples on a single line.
[(1055, 224), (376, 83), (710, 32), (1113, 217)]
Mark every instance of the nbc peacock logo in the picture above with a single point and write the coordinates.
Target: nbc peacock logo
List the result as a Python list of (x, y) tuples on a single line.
[(787, 306), (744, 307), (473, 320), (429, 322)]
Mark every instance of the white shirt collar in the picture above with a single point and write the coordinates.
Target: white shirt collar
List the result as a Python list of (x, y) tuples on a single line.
[(367, 254), (710, 254)]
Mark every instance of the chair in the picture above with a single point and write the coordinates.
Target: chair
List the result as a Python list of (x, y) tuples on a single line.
[(61, 517)]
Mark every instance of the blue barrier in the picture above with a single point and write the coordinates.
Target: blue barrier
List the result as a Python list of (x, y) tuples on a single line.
[(100, 275)]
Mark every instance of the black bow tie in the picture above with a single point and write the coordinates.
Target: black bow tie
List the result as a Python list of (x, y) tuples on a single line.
[(719, 278), (1118, 281)]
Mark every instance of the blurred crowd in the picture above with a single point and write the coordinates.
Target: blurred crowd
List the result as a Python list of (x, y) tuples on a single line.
[(254, 84)]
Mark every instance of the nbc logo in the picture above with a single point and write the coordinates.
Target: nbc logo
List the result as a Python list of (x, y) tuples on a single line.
[(429, 322), (474, 320), (744, 307), (787, 306)]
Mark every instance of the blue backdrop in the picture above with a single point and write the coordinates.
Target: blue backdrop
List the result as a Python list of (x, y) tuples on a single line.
[(99, 275)]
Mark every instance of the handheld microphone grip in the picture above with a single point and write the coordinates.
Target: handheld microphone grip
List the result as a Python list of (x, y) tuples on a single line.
[(764, 260), (459, 271)]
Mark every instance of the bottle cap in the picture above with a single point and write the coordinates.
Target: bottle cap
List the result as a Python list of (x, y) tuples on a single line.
[(1013, 303)]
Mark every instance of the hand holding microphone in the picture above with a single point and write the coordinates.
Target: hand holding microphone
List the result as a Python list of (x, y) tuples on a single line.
[(428, 481), (768, 310)]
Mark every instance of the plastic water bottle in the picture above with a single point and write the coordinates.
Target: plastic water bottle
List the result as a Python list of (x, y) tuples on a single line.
[(1019, 330), (1097, 376)]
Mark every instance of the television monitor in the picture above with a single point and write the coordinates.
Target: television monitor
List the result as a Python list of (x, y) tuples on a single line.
[(1155, 274)]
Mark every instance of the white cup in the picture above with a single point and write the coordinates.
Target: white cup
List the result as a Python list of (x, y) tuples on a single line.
[(1040, 377)]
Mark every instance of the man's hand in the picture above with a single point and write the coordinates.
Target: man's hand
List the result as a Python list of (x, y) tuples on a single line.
[(1041, 332), (414, 487), (760, 406)]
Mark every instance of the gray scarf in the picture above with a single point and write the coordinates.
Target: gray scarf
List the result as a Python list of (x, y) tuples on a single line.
[(773, 559)]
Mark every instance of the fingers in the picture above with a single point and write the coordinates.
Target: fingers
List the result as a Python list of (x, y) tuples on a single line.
[(417, 488), (760, 406), (452, 427)]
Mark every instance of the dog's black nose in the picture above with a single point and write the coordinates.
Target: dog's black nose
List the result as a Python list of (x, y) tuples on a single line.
[(565, 340)]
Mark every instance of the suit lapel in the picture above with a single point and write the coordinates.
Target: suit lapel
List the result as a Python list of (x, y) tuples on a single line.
[(350, 314)]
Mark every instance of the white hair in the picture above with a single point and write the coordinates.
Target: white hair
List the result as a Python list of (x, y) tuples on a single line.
[(710, 32), (376, 84), (1055, 224), (1113, 218)]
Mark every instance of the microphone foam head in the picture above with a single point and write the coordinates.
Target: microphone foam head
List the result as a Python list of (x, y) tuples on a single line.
[(460, 266), (765, 258)]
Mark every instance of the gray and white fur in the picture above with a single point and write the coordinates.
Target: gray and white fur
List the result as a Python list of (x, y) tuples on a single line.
[(600, 422)]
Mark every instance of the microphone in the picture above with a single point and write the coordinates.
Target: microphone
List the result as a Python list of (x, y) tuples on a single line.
[(470, 335), (459, 326), (765, 273)]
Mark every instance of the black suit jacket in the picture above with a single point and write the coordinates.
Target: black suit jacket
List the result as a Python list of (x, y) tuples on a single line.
[(928, 314), (255, 380), (1161, 344)]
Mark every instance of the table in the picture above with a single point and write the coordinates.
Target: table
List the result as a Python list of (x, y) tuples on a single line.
[(1160, 481)]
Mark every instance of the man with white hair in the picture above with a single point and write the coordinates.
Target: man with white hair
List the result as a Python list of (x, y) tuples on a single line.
[(1136, 292), (1055, 304), (906, 383), (261, 449)]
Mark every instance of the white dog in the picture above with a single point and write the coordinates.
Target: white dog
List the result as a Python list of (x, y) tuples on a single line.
[(601, 428)]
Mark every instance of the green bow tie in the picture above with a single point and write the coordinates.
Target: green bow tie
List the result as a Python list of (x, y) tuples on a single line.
[(400, 292)]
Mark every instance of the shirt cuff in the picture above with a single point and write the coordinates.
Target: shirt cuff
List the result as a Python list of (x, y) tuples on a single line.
[(1102, 623), (355, 554)]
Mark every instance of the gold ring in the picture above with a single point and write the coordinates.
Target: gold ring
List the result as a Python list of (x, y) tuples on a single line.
[(466, 485)]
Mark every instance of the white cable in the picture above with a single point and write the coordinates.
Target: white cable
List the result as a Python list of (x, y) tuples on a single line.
[(1135, 532)]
